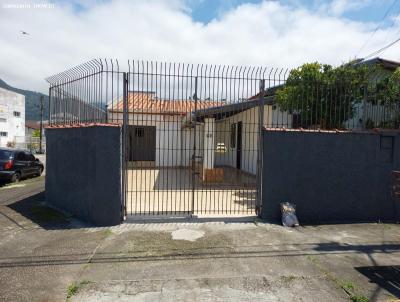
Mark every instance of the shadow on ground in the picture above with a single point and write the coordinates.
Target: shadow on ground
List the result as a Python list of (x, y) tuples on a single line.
[(36, 210), (160, 253), (387, 277)]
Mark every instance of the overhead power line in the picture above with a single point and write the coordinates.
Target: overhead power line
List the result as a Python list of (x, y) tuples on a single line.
[(375, 53), (378, 27), (394, 22)]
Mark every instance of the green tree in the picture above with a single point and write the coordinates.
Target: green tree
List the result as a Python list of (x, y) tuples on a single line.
[(388, 88), (386, 94), (322, 95), (36, 133)]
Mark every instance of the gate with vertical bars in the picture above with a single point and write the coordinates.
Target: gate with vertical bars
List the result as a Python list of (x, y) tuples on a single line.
[(191, 139)]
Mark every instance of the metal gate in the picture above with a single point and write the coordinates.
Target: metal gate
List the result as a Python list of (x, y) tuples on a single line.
[(202, 156)]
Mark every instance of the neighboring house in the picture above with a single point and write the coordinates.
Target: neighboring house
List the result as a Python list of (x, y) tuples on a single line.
[(31, 127), (12, 117), (366, 114), (34, 126), (31, 139)]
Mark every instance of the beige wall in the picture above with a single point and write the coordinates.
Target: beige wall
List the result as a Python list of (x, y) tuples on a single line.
[(249, 119)]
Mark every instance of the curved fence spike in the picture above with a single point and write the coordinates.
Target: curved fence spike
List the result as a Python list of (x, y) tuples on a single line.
[(93, 92)]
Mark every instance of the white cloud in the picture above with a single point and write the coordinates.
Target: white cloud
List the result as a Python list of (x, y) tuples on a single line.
[(338, 7), (269, 34)]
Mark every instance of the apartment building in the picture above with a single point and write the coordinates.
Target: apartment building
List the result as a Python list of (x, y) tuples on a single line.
[(12, 117)]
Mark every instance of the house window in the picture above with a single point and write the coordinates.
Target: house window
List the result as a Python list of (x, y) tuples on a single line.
[(221, 148), (233, 135), (139, 132), (3, 133), (3, 120), (17, 114)]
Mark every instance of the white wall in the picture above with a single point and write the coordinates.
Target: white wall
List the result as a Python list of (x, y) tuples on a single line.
[(249, 119), (174, 144), (368, 111), (187, 144), (14, 126), (168, 135)]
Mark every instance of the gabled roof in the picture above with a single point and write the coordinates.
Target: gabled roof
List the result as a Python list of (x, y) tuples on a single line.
[(32, 125), (11, 91), (147, 102), (386, 64), (228, 110)]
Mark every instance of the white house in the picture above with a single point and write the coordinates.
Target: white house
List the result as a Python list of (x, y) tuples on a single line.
[(12, 117), (230, 132), (156, 128), (171, 133)]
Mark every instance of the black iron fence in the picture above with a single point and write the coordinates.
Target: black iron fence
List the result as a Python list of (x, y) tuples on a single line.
[(191, 133), (92, 92)]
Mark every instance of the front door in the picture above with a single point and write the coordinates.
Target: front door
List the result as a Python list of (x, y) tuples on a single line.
[(142, 143), (239, 146)]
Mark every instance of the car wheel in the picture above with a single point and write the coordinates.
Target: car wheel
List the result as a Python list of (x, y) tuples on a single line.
[(40, 172), (16, 177)]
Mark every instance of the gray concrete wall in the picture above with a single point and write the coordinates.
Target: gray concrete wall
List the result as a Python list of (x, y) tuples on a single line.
[(83, 172), (331, 177)]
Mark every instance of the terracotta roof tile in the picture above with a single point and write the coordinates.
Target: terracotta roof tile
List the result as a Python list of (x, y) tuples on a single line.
[(369, 131), (147, 102), (82, 125), (32, 125)]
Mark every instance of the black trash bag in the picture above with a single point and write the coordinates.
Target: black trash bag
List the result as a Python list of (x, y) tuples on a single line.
[(289, 218)]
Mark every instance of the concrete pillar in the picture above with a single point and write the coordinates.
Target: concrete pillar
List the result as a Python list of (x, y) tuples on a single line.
[(209, 138)]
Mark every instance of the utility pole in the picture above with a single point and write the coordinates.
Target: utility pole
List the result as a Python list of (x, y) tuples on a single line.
[(41, 125)]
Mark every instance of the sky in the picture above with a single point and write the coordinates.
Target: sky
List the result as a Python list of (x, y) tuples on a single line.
[(285, 33)]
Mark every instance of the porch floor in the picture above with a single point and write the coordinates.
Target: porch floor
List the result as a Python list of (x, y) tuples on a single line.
[(152, 191)]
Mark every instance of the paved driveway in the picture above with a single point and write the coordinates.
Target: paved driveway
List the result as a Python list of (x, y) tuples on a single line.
[(171, 190), (46, 256)]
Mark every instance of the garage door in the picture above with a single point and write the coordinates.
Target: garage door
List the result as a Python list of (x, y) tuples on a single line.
[(142, 142)]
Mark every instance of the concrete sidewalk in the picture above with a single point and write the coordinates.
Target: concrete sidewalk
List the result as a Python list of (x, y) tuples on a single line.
[(46, 256)]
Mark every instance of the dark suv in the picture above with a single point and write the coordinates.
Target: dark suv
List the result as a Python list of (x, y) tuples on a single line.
[(17, 164)]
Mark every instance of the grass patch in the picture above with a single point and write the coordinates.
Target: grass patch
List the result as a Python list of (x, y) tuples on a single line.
[(44, 213), (387, 227), (257, 221), (107, 233), (358, 298), (74, 288), (347, 286), (288, 279)]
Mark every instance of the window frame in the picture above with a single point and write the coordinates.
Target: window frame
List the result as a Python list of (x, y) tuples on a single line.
[(233, 136), (29, 156), (20, 156)]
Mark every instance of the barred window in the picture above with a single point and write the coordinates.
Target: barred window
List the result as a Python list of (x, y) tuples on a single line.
[(139, 132)]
